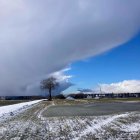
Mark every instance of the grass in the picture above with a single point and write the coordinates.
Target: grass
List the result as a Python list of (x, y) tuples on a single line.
[(11, 102), (112, 100), (73, 102), (102, 100)]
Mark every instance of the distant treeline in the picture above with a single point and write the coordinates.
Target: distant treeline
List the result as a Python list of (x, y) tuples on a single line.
[(60, 96), (75, 96), (104, 95)]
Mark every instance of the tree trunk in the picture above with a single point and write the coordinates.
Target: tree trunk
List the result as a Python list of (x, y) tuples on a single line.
[(50, 94)]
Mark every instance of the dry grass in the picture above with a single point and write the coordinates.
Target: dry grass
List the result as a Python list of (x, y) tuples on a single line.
[(86, 101), (11, 102), (74, 102)]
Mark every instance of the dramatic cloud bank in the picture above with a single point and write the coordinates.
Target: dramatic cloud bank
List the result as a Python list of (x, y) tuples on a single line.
[(128, 86), (62, 79), (40, 37)]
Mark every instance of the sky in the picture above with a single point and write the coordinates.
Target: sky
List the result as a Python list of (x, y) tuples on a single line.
[(70, 40), (121, 64)]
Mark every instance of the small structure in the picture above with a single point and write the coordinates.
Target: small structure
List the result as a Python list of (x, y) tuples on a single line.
[(70, 98), (89, 96), (2, 98)]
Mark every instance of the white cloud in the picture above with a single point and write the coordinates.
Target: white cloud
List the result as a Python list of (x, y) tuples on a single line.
[(61, 76), (127, 86), (38, 38), (62, 79)]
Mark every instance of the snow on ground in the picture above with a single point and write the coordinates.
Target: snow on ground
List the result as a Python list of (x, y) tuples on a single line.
[(11, 110), (101, 122), (29, 125), (40, 116), (110, 127)]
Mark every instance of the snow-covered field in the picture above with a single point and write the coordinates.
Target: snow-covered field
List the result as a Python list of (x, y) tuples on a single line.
[(31, 125)]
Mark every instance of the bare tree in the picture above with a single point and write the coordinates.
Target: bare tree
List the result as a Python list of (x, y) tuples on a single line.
[(49, 84)]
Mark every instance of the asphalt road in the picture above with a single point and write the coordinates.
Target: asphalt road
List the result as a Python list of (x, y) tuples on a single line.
[(95, 109)]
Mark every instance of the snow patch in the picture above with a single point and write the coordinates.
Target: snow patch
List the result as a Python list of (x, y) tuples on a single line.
[(40, 116), (11, 110), (134, 127), (98, 123)]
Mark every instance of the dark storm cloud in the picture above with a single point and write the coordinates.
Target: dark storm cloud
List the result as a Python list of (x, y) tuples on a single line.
[(39, 37)]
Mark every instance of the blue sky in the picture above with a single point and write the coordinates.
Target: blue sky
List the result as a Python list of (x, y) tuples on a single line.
[(118, 64)]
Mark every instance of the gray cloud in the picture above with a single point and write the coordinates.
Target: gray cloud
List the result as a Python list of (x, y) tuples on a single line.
[(41, 37), (63, 84), (85, 90)]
